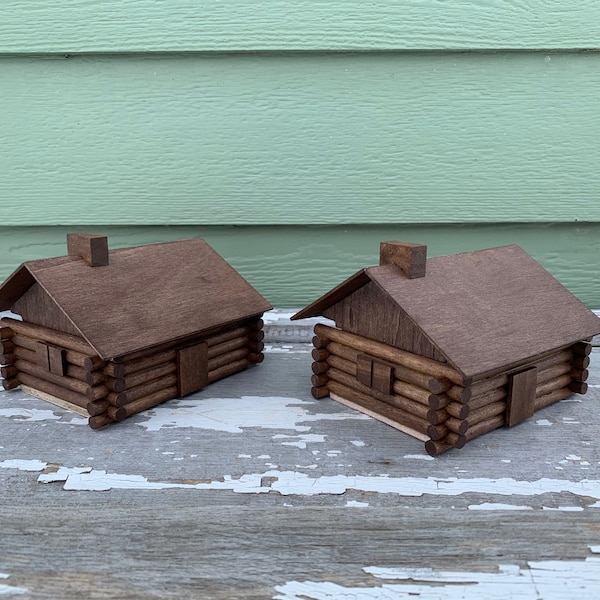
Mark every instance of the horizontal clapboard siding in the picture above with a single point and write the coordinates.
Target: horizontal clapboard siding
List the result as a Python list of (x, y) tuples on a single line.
[(304, 138), (295, 136), (228, 25), (293, 265)]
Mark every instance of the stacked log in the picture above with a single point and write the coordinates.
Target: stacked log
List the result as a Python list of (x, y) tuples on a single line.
[(82, 388), (419, 400), (146, 379), (429, 399), (108, 391), (7, 359)]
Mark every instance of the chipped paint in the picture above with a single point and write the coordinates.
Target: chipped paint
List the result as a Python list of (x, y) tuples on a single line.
[(497, 506), (23, 465), (29, 414), (418, 457), (550, 580), (9, 590), (355, 504), (294, 483), (302, 440), (236, 414)]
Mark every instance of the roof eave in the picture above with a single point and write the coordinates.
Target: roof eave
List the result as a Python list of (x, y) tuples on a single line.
[(316, 308)]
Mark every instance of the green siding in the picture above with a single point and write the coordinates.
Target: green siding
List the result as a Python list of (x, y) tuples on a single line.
[(300, 138), (293, 265), (233, 25), (295, 136)]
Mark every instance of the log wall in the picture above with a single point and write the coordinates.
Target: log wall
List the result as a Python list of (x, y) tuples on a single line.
[(428, 399), (108, 391)]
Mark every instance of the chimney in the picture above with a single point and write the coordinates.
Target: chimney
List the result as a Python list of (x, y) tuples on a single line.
[(409, 257), (93, 249)]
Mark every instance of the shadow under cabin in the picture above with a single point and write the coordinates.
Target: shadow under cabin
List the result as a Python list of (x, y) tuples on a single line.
[(108, 334), (449, 348)]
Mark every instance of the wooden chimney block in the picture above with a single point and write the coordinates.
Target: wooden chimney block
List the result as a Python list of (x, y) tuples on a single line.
[(93, 249), (411, 258)]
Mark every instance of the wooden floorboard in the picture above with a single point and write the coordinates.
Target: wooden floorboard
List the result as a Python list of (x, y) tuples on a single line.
[(250, 488)]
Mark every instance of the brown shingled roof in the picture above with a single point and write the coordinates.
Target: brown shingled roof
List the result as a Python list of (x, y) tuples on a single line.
[(147, 295), (483, 310)]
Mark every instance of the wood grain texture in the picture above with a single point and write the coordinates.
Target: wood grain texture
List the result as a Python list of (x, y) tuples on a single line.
[(490, 310), (185, 25), (192, 368), (374, 137), (320, 256), (370, 312), (188, 275), (78, 543)]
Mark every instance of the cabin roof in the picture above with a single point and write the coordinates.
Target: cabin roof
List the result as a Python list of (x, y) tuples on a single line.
[(483, 310), (145, 296)]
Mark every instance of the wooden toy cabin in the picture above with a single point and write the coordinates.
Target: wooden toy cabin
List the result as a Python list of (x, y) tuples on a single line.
[(449, 348), (109, 334)]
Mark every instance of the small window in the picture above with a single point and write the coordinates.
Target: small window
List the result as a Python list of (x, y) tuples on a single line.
[(375, 373), (52, 358)]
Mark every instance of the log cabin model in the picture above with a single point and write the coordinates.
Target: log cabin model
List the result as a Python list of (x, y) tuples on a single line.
[(449, 348), (109, 334)]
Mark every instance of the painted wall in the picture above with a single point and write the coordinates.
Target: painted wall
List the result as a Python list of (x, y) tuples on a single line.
[(296, 136)]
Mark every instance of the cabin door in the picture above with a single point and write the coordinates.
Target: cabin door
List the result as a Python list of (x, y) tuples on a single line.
[(192, 368), (520, 404)]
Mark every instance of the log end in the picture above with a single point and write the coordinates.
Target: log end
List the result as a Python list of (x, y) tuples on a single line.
[(437, 432), (98, 421), (256, 357), (319, 392), (11, 383), (319, 367), (578, 387), (436, 447)]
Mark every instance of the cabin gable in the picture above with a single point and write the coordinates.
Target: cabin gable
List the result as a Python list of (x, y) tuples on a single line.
[(370, 312), (36, 306)]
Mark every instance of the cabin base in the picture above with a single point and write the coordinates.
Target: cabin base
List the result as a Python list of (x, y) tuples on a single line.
[(54, 400)]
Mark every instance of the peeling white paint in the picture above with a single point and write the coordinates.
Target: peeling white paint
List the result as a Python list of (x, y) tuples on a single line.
[(236, 414), (23, 465), (419, 456), (544, 423), (564, 508), (62, 474), (6, 590), (550, 580), (497, 506), (355, 504), (29, 414), (295, 483), (358, 443), (594, 549), (302, 440)]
